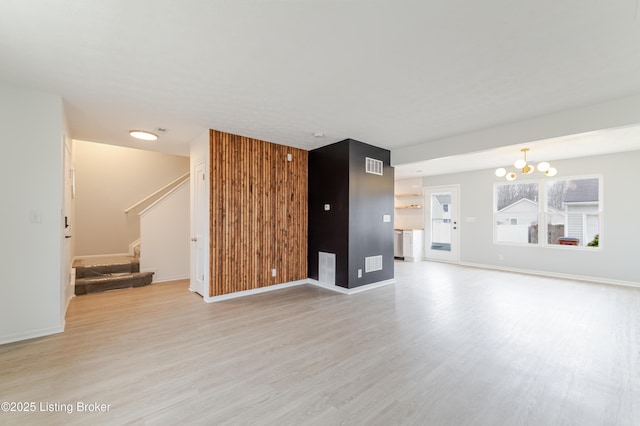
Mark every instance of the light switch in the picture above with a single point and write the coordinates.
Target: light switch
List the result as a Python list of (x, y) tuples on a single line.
[(327, 207), (386, 218)]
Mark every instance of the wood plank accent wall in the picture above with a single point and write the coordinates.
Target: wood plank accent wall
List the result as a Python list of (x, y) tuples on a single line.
[(258, 213)]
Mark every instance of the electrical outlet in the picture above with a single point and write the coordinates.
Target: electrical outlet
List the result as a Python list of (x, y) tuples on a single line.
[(273, 272), (500, 257), (359, 273)]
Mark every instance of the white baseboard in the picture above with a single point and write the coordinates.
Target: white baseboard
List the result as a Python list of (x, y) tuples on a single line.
[(167, 279), (91, 256), (348, 291), (31, 334), (237, 294), (310, 281), (452, 262), (334, 288), (597, 280)]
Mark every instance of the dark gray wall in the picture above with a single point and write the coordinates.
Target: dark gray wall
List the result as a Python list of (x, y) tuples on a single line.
[(371, 197), (329, 230), (353, 229)]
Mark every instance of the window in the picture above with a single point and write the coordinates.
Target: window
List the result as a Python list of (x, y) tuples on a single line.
[(572, 212), (516, 214), (567, 211)]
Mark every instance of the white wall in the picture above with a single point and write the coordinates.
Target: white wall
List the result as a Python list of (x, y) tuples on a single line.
[(616, 259), (109, 179), (31, 180), (409, 218), (164, 236)]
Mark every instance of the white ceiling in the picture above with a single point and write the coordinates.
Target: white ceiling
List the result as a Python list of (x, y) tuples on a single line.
[(389, 73), (583, 145)]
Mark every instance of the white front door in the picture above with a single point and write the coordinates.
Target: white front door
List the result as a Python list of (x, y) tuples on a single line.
[(200, 211), (441, 223)]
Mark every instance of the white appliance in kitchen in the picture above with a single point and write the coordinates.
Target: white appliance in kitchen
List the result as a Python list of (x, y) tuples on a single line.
[(397, 243), (408, 244)]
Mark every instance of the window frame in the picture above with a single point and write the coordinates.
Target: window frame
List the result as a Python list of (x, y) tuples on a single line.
[(543, 212), (496, 212)]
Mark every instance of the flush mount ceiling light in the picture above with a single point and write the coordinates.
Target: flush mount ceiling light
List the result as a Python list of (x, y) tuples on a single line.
[(526, 168), (318, 135), (144, 135)]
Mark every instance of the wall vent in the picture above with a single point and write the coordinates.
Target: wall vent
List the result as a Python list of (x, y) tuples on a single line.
[(327, 268), (373, 263), (373, 166)]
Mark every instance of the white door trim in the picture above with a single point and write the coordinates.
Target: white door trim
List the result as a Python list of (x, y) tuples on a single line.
[(199, 228), (452, 256)]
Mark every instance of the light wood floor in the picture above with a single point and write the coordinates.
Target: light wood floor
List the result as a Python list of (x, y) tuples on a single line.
[(446, 345)]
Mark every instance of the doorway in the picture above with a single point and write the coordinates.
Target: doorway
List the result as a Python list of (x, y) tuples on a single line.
[(200, 227), (441, 223), (67, 218)]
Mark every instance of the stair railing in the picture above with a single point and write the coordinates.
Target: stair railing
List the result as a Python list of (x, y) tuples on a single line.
[(159, 200), (164, 188)]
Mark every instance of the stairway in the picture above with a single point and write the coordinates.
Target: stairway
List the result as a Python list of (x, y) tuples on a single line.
[(98, 274)]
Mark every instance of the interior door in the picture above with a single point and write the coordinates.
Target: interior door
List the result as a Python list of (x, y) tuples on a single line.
[(441, 223), (67, 219), (200, 211)]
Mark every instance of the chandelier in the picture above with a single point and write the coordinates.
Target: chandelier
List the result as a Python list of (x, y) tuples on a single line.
[(526, 168)]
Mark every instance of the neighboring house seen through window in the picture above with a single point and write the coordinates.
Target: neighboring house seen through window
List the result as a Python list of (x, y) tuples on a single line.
[(568, 211), (573, 212), (517, 212)]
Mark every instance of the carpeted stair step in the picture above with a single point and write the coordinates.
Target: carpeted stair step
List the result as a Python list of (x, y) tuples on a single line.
[(112, 282), (96, 267)]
